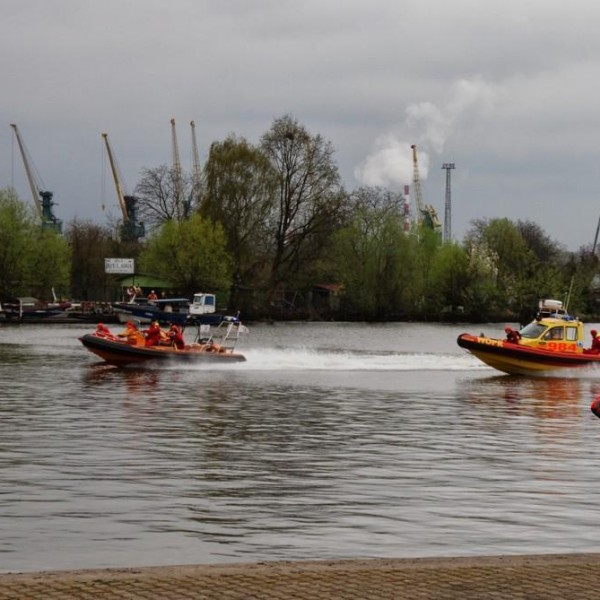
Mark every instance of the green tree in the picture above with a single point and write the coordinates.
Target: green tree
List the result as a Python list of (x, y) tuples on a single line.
[(192, 254), (50, 265), (33, 260), (499, 244), (239, 187), (16, 244), (376, 261), (448, 280)]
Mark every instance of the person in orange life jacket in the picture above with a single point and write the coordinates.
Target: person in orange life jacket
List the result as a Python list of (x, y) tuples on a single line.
[(130, 332), (153, 334), (512, 335), (129, 327), (152, 297), (176, 336)]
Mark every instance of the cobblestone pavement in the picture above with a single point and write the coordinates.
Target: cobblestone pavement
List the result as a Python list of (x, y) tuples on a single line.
[(539, 577)]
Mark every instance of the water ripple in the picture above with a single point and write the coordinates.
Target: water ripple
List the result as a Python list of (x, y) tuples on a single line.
[(310, 450)]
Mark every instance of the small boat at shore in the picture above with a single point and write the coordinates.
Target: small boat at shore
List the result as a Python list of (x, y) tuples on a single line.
[(201, 310), (553, 341), (29, 309), (131, 348)]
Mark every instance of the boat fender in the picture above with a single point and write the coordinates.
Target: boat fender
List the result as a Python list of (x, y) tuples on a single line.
[(595, 406)]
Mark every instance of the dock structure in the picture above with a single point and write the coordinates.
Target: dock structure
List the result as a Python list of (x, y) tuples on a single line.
[(535, 577)]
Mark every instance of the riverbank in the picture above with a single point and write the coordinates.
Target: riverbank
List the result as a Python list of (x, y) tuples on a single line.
[(535, 577)]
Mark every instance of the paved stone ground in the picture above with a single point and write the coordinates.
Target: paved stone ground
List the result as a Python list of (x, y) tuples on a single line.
[(539, 577)]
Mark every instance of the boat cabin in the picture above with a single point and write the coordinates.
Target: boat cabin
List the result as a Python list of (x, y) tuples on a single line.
[(203, 304), (553, 329)]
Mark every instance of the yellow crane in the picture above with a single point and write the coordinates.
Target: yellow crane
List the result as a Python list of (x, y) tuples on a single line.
[(41, 198), (417, 187), (131, 229), (427, 217)]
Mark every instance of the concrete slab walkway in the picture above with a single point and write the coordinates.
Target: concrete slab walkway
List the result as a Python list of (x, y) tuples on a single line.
[(539, 577)]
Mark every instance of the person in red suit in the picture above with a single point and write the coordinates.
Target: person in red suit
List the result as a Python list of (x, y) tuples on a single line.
[(512, 335), (153, 334), (176, 337), (595, 342)]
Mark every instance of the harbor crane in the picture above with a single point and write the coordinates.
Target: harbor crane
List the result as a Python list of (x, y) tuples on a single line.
[(196, 173), (427, 217), (180, 203), (41, 198), (131, 230)]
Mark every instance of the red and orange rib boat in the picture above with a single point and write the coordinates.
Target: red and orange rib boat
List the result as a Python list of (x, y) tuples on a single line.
[(553, 341), (132, 349)]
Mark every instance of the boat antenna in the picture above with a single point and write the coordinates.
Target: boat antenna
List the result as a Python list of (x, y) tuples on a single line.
[(569, 295)]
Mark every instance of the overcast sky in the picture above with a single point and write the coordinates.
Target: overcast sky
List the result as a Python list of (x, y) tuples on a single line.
[(505, 90)]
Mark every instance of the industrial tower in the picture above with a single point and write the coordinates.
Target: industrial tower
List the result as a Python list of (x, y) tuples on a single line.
[(448, 205)]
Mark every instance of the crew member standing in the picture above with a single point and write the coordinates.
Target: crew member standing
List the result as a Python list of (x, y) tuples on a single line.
[(595, 342), (176, 336)]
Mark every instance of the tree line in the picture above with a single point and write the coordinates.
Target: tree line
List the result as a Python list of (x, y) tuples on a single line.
[(273, 232)]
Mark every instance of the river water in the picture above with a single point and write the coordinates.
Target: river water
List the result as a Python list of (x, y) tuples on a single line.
[(332, 441)]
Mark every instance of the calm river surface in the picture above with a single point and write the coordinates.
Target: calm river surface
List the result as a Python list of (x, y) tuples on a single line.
[(332, 441)]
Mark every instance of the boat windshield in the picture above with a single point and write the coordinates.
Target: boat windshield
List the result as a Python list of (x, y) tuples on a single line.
[(532, 331)]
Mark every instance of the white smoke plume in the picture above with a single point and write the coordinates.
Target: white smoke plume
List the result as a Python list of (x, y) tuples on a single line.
[(429, 127)]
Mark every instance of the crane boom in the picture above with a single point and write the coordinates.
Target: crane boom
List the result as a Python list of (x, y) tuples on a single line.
[(35, 191), (117, 179), (417, 187), (196, 159), (179, 202)]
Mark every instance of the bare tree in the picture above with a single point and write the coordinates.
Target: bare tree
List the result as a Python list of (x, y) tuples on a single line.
[(156, 195), (309, 197)]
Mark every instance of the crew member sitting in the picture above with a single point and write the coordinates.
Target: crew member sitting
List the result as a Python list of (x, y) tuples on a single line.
[(103, 331), (176, 336), (132, 335), (512, 335), (153, 334), (152, 297)]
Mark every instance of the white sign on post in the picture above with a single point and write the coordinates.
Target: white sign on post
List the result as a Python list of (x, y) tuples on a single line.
[(124, 266)]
